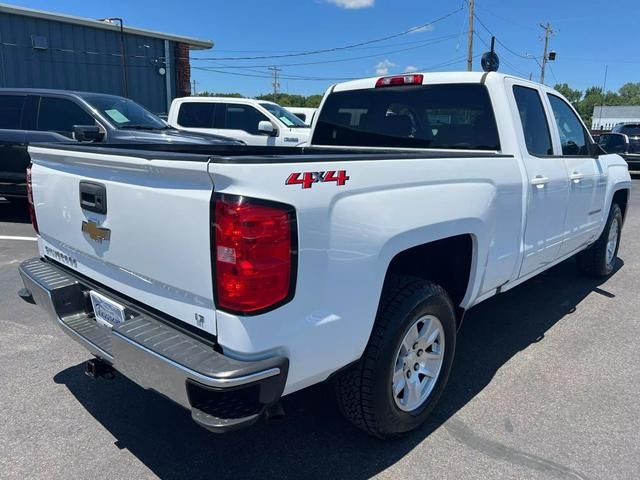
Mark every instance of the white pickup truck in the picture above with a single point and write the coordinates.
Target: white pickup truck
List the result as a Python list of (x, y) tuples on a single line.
[(255, 122), (227, 277)]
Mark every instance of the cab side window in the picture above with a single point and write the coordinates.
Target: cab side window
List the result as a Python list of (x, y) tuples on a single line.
[(243, 117), (60, 115), (573, 137), (197, 115), (11, 107), (534, 121)]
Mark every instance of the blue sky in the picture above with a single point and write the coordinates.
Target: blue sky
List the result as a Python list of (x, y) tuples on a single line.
[(589, 35)]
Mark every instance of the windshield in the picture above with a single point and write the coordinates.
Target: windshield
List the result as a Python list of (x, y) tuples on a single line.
[(427, 116), (631, 130), (125, 113), (285, 116)]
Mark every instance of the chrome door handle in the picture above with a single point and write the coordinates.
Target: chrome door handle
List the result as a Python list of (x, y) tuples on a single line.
[(575, 177), (539, 181)]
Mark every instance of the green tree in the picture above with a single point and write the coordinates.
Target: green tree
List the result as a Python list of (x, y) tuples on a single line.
[(573, 96), (630, 93), (228, 95)]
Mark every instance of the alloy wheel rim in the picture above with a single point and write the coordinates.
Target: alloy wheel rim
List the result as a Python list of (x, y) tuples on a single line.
[(418, 362), (612, 241)]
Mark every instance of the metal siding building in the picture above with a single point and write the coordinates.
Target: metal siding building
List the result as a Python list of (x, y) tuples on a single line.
[(47, 50), (605, 118)]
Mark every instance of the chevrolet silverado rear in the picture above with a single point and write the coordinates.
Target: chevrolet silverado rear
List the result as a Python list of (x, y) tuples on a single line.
[(227, 277)]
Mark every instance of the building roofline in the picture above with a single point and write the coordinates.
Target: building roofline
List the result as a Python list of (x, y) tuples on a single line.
[(194, 43)]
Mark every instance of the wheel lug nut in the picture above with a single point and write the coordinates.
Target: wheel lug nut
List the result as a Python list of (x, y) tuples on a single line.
[(420, 352), (415, 345), (416, 367), (408, 373)]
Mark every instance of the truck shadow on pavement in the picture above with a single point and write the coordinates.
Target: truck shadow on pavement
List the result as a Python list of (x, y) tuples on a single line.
[(312, 440)]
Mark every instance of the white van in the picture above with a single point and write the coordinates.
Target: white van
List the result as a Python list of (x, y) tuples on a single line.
[(255, 122), (303, 113)]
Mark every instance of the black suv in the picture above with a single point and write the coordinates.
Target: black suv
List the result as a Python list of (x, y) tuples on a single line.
[(632, 131), (54, 116)]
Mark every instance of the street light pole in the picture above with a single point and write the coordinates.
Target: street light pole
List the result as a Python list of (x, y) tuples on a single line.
[(123, 54)]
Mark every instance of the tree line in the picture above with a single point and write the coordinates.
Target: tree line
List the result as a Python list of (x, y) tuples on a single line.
[(628, 94), (284, 99)]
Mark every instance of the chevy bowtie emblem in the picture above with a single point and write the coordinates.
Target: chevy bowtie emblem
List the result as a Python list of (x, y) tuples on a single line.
[(95, 232)]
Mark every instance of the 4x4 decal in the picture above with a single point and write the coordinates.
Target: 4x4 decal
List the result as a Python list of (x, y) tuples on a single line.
[(307, 179)]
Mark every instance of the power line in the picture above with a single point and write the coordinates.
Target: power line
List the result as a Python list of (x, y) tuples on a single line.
[(335, 49), (525, 56), (347, 59), (519, 72)]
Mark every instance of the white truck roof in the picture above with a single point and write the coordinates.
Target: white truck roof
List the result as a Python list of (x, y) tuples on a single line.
[(246, 101), (429, 78)]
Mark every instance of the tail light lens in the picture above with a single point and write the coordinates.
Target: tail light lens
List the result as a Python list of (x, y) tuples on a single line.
[(32, 208), (254, 254)]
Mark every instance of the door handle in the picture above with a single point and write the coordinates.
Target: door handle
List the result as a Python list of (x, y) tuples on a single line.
[(575, 177), (539, 181)]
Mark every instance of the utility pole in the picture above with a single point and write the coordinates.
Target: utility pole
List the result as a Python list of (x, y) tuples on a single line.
[(470, 37), (276, 83), (548, 31), (193, 87)]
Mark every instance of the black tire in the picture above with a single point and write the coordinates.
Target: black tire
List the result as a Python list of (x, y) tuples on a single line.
[(364, 390), (593, 260)]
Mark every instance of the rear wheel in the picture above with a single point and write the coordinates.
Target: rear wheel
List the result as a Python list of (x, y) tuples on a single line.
[(600, 258), (405, 367)]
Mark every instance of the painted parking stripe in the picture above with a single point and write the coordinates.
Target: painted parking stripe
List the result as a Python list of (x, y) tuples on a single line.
[(7, 237)]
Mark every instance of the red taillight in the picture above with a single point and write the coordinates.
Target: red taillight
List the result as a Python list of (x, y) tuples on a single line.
[(32, 208), (254, 254), (399, 80)]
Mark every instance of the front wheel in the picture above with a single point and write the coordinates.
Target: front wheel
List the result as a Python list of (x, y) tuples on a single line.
[(405, 367), (599, 259)]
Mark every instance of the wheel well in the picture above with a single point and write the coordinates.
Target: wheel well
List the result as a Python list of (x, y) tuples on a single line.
[(621, 197), (446, 262)]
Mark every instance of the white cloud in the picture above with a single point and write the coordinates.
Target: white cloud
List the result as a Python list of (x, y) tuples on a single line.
[(422, 28), (382, 68), (353, 4), (410, 69)]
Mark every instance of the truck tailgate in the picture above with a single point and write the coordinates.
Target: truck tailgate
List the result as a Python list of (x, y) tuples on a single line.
[(157, 220)]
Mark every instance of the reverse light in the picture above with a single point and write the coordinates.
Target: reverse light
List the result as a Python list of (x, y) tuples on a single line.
[(398, 80), (32, 208), (254, 254)]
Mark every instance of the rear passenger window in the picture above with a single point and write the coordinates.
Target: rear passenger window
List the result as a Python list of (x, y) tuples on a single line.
[(60, 115), (197, 115), (534, 121), (425, 116), (573, 136), (243, 117), (11, 111)]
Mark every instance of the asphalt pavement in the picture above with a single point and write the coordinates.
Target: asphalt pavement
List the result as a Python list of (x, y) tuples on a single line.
[(546, 385)]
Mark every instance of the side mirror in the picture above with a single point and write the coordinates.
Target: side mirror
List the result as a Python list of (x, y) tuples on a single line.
[(266, 128), (87, 133), (614, 142)]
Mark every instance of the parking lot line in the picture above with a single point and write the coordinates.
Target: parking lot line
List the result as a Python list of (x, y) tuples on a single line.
[(8, 237)]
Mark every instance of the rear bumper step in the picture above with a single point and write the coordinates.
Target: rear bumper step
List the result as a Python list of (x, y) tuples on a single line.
[(222, 393)]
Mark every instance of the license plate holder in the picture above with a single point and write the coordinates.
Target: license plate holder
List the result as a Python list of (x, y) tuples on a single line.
[(107, 312)]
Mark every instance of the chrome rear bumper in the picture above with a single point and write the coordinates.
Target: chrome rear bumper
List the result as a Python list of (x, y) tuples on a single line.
[(222, 393)]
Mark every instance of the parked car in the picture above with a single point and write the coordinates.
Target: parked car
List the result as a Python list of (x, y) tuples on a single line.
[(30, 115), (621, 144), (353, 260), (255, 122), (303, 113)]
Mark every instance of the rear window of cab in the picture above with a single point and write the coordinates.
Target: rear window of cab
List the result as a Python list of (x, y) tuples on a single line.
[(451, 116)]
